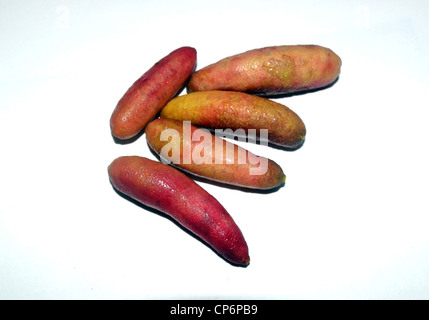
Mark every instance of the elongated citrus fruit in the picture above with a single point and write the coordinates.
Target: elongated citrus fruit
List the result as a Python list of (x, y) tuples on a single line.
[(203, 154), (270, 71), (170, 191), (148, 94), (238, 110)]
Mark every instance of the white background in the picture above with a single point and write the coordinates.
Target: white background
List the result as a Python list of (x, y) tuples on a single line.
[(351, 222)]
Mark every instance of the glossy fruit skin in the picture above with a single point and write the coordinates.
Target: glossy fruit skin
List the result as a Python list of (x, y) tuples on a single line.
[(230, 168), (235, 110), (272, 70), (170, 191), (148, 94)]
